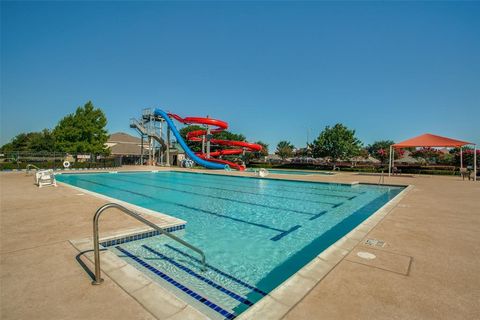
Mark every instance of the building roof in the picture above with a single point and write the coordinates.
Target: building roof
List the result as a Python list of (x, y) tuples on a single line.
[(430, 140), (123, 138), (121, 143)]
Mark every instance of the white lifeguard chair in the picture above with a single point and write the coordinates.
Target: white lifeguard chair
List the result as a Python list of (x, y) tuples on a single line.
[(45, 178)]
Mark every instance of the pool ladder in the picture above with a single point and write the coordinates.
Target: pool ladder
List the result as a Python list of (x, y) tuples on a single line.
[(96, 244)]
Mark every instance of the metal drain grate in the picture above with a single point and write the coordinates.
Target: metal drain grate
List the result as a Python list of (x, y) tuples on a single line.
[(375, 243)]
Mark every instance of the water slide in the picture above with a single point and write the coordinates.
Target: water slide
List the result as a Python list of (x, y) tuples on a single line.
[(200, 158)]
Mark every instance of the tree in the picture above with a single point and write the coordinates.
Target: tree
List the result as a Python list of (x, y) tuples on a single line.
[(196, 146), (193, 145), (284, 149), (381, 150), (41, 141), (337, 142), (427, 154), (31, 141), (263, 152), (83, 131), (467, 156)]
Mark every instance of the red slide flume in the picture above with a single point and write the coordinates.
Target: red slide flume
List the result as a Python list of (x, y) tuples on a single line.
[(219, 127)]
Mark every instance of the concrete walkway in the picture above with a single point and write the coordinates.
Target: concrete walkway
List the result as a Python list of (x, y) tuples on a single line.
[(427, 269)]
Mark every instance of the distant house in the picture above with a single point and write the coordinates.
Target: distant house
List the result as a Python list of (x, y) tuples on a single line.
[(129, 149)]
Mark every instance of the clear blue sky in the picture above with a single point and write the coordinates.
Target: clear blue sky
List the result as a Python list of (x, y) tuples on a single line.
[(272, 70)]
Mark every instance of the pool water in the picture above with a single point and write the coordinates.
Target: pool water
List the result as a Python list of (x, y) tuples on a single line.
[(255, 232)]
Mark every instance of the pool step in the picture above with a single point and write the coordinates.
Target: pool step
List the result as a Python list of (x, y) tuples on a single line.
[(214, 292)]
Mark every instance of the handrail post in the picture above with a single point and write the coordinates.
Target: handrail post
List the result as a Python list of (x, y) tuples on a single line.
[(96, 245), (96, 242)]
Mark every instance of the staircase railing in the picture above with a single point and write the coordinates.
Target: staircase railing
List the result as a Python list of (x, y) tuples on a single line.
[(96, 244)]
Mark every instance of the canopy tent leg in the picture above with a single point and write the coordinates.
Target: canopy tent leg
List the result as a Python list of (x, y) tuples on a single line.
[(461, 159), (390, 162), (474, 162)]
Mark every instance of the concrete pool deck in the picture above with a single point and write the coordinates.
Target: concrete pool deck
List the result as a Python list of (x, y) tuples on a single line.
[(426, 269)]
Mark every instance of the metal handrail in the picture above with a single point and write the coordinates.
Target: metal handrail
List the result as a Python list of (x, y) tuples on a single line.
[(27, 168), (96, 244)]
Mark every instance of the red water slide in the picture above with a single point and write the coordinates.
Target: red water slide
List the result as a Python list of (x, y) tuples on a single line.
[(219, 127)]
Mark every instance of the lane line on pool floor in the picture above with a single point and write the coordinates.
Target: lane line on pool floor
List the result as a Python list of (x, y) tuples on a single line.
[(193, 208), (223, 273), (220, 198), (246, 192), (200, 277), (291, 189), (178, 285)]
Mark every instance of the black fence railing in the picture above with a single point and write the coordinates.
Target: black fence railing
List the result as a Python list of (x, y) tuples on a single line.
[(18, 160)]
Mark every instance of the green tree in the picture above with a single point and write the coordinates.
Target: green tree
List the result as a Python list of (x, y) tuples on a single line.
[(284, 149), (83, 131), (337, 142), (193, 145), (18, 143), (227, 135), (381, 150), (263, 152), (196, 146), (31, 141), (41, 141)]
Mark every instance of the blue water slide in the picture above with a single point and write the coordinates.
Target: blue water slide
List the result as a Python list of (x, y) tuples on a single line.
[(188, 151)]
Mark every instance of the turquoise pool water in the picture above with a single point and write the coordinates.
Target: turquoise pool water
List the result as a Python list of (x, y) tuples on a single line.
[(299, 172), (255, 232)]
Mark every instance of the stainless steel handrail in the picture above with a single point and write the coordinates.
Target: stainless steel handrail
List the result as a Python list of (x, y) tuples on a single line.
[(96, 244)]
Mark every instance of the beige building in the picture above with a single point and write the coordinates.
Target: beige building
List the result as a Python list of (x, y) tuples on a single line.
[(131, 148)]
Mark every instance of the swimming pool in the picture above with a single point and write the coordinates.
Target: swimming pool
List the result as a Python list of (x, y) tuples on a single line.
[(299, 172), (255, 233)]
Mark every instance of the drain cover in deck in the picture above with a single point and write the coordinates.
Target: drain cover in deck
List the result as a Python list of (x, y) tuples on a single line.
[(387, 261), (375, 243)]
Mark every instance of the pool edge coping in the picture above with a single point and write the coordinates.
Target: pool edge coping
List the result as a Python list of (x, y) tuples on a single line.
[(137, 284), (278, 302)]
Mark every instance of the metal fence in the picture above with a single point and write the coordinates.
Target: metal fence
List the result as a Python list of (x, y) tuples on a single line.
[(18, 160)]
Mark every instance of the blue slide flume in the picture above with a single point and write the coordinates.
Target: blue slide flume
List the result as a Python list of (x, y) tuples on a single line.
[(188, 151)]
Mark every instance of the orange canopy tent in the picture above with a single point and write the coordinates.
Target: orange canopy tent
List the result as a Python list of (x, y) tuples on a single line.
[(431, 140)]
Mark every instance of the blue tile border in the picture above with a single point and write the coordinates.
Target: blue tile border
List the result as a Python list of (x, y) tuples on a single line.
[(147, 234), (178, 285), (200, 277), (241, 282)]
